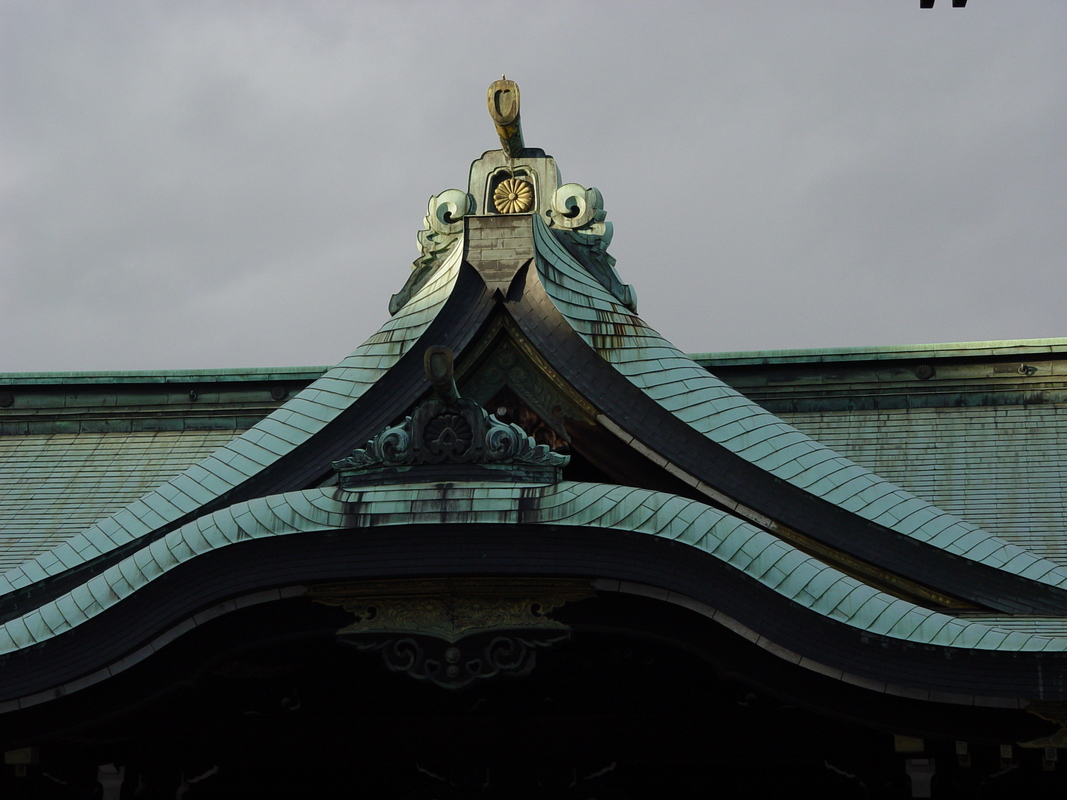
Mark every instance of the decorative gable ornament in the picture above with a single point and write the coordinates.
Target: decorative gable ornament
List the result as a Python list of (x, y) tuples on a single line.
[(450, 431), (517, 179)]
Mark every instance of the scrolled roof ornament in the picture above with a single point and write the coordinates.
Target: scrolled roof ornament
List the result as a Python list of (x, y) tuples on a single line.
[(508, 442), (390, 447), (445, 211), (443, 228), (578, 215), (574, 206), (447, 429)]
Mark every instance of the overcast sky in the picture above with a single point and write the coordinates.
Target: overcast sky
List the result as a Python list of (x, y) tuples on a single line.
[(239, 184)]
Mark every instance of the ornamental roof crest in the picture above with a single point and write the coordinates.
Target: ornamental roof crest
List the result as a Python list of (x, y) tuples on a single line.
[(517, 179), (450, 431)]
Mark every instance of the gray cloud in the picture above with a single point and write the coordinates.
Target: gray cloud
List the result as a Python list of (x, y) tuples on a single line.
[(201, 184)]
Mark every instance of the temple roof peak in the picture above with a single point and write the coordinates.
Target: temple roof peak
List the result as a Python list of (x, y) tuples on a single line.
[(516, 180)]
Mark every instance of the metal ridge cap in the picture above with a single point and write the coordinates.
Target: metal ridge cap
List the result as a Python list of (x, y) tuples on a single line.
[(221, 375), (885, 352)]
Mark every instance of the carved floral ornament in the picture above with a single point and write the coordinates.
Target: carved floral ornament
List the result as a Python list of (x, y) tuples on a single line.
[(449, 429), (513, 196)]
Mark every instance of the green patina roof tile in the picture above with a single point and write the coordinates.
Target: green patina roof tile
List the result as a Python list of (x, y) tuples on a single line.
[(1038, 570), (732, 543), (72, 606), (189, 486), (727, 425), (881, 509), (179, 547), (195, 538), (862, 606), (287, 433), (19, 632), (822, 581), (992, 640), (163, 555), (961, 538), (754, 544), (101, 591), (48, 561), (960, 634), (145, 564), (220, 476), (767, 567), (33, 572), (816, 472), (788, 454), (847, 481), (51, 622), (128, 523), (994, 552), (148, 517), (890, 617), (912, 515), (1017, 640), (67, 555), (795, 584), (161, 506), (98, 539), (908, 624), (243, 518), (931, 627)]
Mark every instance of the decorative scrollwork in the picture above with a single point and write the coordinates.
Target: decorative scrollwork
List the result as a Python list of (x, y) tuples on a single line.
[(574, 206), (579, 217), (455, 613), (443, 228), (449, 429), (468, 434), (390, 446), (504, 442), (457, 631), (445, 211), (455, 666)]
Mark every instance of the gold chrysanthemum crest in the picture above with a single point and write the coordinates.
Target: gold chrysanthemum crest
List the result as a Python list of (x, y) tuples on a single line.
[(513, 196)]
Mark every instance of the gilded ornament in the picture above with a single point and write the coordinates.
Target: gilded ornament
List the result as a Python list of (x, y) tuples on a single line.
[(513, 196)]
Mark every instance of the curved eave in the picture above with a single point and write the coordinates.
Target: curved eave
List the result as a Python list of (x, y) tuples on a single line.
[(176, 548), (747, 459), (658, 401), (683, 551), (290, 449)]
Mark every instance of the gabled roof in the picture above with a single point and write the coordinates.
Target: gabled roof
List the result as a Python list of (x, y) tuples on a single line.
[(78, 447), (975, 428), (807, 553)]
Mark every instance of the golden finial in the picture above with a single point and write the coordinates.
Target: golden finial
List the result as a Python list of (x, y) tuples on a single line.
[(503, 99)]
